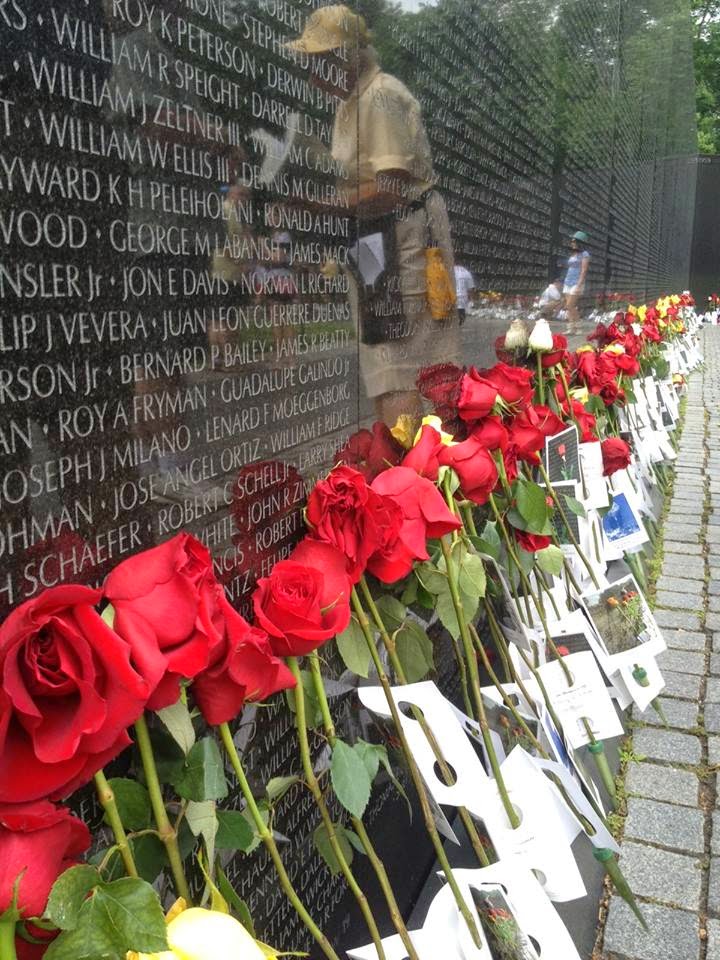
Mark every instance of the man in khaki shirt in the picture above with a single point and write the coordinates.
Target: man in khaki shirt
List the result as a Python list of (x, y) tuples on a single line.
[(380, 140)]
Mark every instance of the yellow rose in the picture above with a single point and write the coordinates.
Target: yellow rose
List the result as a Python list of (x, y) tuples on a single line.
[(436, 424), (616, 348), (404, 430), (580, 393), (585, 349), (641, 311), (198, 934), (632, 309)]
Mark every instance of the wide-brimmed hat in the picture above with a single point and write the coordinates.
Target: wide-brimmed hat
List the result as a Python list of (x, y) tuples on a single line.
[(329, 28), (580, 236)]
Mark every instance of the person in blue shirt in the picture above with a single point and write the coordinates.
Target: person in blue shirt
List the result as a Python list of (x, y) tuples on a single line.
[(574, 283)]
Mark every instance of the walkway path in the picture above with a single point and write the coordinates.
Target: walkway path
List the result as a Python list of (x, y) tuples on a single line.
[(671, 845)]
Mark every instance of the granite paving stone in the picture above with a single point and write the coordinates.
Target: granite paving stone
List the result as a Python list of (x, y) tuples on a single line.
[(713, 940), (680, 546), (711, 716), (682, 565), (677, 584), (715, 663), (678, 619), (673, 934), (662, 783), (668, 745), (684, 639), (712, 690), (683, 685), (665, 824), (683, 661), (714, 886), (712, 621), (715, 841), (681, 714), (679, 601), (714, 751), (673, 878)]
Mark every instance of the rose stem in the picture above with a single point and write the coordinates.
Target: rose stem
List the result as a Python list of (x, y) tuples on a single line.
[(465, 816), (109, 805), (414, 772), (475, 686), (314, 786), (7, 940), (165, 829), (540, 380), (267, 838), (566, 522), (357, 823)]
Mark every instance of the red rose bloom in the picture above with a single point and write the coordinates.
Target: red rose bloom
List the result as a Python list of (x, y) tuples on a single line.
[(243, 670), (627, 364), (423, 457), (514, 384), (616, 455), (425, 514), (610, 393), (167, 607), (305, 600), (558, 354), (474, 466), (546, 420), (340, 511), (526, 440), (586, 421), (68, 694), (371, 452), (586, 367), (650, 331), (491, 433), (477, 397), (39, 841), (531, 542), (393, 559)]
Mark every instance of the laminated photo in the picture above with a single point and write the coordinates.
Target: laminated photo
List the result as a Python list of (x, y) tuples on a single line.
[(622, 526), (561, 456)]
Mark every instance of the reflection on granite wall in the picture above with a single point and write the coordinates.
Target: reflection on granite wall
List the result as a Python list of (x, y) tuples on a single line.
[(233, 231)]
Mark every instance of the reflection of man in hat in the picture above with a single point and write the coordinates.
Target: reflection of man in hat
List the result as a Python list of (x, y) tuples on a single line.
[(380, 140)]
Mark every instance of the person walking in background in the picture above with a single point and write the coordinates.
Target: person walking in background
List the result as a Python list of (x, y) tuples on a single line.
[(464, 285), (574, 284)]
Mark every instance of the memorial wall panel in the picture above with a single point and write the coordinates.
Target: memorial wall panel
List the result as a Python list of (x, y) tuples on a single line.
[(234, 232)]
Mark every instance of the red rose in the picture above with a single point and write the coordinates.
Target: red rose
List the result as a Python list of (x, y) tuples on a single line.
[(167, 607), (392, 560), (558, 354), (425, 515), (546, 420), (423, 458), (632, 344), (627, 364), (340, 511), (491, 433), (531, 542), (371, 452), (586, 367), (39, 841), (600, 334), (305, 600), (243, 670), (477, 396), (474, 466), (67, 697), (610, 392), (514, 384), (526, 439), (616, 455), (586, 421), (650, 331)]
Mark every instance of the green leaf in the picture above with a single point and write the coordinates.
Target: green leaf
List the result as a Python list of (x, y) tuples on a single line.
[(350, 778), (149, 856), (68, 895), (116, 917), (133, 803), (238, 906), (392, 612), (354, 839), (234, 831), (425, 598), (202, 776), (415, 651), (431, 578), (353, 648), (574, 505), (177, 720), (369, 753), (488, 543), (446, 612), (410, 592), (550, 560), (169, 758), (202, 820), (324, 848), (278, 787), (472, 580), (532, 506)]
